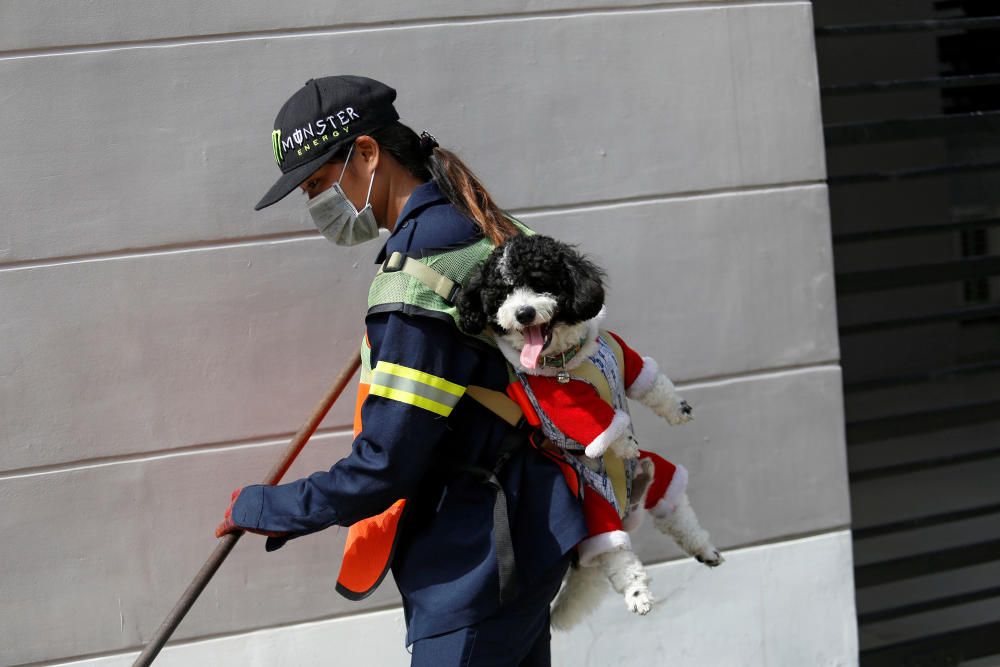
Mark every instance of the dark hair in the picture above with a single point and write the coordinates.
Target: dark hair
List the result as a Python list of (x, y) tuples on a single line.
[(456, 180)]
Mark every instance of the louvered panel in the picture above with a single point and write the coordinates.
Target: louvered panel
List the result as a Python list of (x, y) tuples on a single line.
[(911, 110)]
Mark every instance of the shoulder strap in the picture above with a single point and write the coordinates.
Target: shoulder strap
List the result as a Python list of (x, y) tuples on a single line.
[(440, 284)]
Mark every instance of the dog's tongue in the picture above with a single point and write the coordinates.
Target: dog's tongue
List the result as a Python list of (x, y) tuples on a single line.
[(533, 344)]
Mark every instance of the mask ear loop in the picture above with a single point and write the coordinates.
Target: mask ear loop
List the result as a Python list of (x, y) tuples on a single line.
[(370, 184), (349, 151)]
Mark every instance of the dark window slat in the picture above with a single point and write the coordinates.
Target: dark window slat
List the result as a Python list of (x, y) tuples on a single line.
[(893, 85), (915, 230), (858, 534), (891, 175), (918, 565), (907, 129), (928, 605), (857, 282), (923, 376), (867, 431), (968, 23), (947, 648), (925, 464), (965, 314)]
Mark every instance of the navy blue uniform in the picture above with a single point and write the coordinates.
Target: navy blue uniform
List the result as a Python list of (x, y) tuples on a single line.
[(414, 420)]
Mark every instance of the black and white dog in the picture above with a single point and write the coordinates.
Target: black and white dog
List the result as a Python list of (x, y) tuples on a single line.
[(543, 302)]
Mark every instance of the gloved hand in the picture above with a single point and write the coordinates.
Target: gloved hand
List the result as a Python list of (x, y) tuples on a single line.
[(229, 526)]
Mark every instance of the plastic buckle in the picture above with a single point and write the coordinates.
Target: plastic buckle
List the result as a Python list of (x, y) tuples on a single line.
[(450, 299), (393, 262)]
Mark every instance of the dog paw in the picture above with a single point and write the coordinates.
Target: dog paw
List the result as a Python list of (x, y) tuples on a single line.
[(639, 600), (680, 412), (626, 447), (710, 557)]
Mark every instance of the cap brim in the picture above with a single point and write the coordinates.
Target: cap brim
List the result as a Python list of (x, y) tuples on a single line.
[(291, 180)]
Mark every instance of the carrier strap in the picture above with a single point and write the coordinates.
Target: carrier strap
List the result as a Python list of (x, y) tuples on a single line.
[(506, 567), (496, 402), (442, 285)]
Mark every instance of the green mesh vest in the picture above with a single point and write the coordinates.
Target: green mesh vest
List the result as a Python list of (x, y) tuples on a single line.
[(395, 289)]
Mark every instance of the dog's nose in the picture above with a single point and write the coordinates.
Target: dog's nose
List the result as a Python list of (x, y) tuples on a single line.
[(525, 314)]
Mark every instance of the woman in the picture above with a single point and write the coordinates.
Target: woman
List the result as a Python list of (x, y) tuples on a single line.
[(477, 564)]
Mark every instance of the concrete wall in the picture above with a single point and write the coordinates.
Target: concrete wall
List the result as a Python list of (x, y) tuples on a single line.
[(161, 341)]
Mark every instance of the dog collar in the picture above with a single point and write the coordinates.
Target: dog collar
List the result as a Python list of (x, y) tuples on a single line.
[(560, 360)]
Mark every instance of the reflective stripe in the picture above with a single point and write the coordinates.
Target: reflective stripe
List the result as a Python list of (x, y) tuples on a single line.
[(408, 385), (438, 383), (414, 387)]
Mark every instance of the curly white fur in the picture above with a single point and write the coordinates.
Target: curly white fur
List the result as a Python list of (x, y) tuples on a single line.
[(564, 336), (682, 525), (584, 585), (663, 399), (544, 305), (581, 593)]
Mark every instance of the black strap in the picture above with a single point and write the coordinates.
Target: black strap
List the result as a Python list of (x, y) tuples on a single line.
[(506, 566)]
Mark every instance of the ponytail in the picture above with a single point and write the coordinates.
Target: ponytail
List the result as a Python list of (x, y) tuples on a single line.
[(423, 158)]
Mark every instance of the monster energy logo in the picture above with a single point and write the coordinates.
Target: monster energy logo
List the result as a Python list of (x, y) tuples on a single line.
[(279, 153)]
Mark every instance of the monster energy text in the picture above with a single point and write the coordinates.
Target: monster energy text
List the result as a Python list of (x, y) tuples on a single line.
[(312, 135)]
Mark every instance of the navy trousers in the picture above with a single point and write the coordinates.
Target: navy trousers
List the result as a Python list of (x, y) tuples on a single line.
[(517, 635)]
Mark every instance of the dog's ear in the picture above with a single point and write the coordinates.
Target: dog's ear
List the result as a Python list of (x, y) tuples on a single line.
[(587, 288), (469, 302)]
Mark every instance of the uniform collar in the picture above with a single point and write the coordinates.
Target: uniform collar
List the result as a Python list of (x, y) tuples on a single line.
[(422, 196)]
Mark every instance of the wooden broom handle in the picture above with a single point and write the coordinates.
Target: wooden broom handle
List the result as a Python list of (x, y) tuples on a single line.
[(228, 541)]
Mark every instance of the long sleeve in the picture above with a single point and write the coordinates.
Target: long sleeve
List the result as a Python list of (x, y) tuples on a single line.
[(420, 370)]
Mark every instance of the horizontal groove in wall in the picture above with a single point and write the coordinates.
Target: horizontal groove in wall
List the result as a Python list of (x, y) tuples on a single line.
[(272, 440), (202, 448), (393, 608), (387, 24), (284, 237)]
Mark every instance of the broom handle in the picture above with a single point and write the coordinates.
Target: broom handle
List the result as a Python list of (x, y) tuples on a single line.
[(228, 541)]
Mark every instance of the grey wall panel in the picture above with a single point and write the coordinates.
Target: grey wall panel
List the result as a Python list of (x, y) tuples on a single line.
[(759, 304), (758, 609), (161, 145), (175, 349), (39, 24), (111, 357), (105, 551), (765, 455)]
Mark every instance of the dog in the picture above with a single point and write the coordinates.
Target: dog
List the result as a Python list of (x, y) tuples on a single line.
[(543, 303)]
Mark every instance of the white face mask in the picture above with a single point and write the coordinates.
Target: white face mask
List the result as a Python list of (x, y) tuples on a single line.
[(337, 219)]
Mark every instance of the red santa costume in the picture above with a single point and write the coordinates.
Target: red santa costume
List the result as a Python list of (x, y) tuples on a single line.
[(590, 430)]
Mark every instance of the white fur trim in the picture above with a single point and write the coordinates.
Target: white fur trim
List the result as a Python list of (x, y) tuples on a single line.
[(616, 429), (592, 547), (644, 380), (513, 355), (672, 496)]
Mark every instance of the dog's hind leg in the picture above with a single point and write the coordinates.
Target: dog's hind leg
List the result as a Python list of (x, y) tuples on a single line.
[(580, 594), (628, 576), (679, 522)]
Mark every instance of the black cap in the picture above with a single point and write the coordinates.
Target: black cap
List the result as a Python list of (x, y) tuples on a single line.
[(320, 117)]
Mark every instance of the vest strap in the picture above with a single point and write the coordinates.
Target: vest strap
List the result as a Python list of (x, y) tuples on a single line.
[(497, 402), (440, 284)]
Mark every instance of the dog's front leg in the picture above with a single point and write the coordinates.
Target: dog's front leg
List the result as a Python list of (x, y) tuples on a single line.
[(655, 390)]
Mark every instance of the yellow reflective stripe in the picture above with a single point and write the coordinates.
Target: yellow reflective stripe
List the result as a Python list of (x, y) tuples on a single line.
[(411, 399), (412, 374)]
